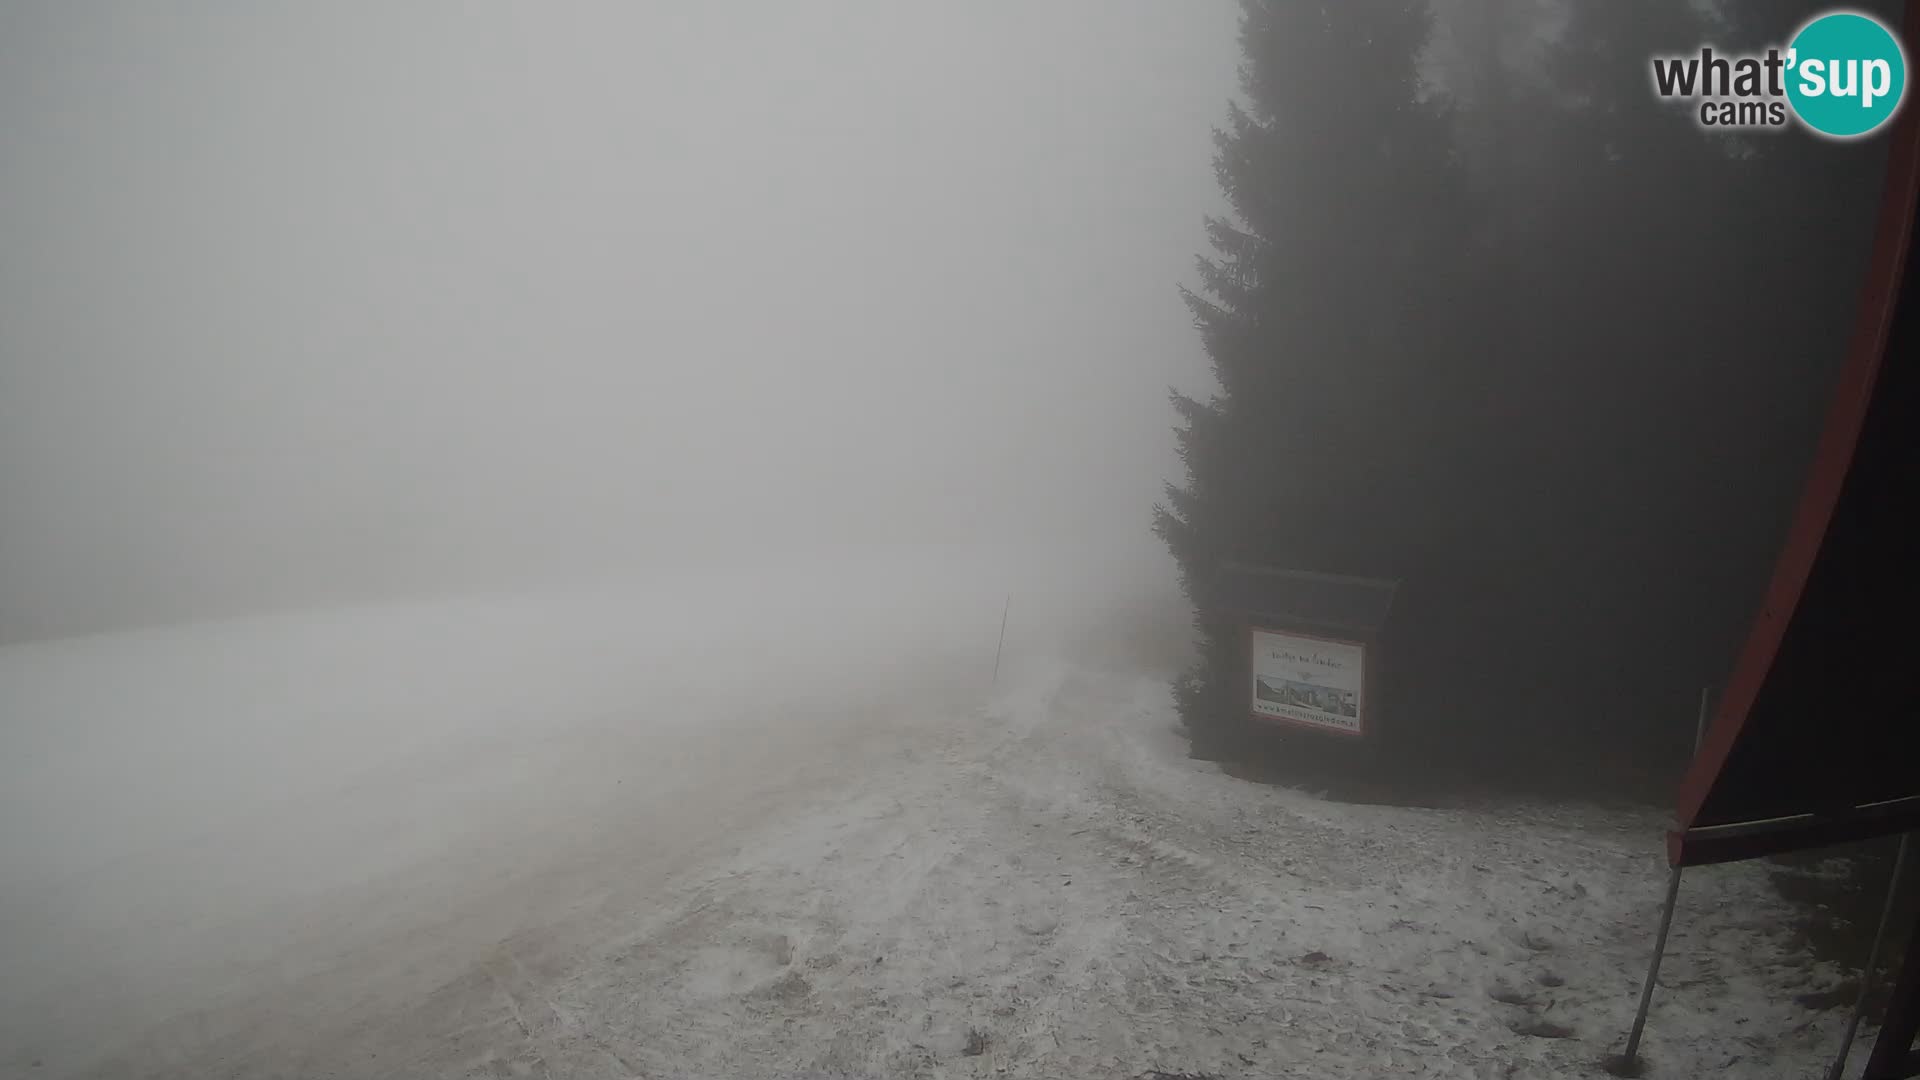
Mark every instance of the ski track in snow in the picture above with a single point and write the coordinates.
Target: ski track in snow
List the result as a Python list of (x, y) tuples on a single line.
[(1048, 888)]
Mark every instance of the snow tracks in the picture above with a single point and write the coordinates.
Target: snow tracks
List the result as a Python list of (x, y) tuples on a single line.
[(1048, 888)]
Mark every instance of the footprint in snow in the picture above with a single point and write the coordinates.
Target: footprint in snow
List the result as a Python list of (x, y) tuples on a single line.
[(1541, 1028), (1507, 995), (1531, 939)]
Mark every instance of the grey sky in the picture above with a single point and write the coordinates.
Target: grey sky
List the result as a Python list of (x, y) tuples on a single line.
[(314, 300)]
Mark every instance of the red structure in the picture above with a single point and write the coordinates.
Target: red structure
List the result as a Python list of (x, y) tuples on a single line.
[(1813, 741), (1810, 746)]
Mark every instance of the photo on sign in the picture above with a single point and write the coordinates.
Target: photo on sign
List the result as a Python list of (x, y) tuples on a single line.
[(1308, 680), (1327, 699)]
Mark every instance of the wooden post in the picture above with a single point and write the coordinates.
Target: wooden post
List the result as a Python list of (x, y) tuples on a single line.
[(998, 645)]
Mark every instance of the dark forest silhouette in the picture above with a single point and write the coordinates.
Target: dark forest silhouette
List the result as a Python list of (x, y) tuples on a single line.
[(1523, 337)]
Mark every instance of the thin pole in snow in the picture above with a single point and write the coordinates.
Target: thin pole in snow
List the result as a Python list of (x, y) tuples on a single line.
[(1628, 1062), (1003, 638), (1873, 961)]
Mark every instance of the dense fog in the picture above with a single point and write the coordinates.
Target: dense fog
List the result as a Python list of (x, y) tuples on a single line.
[(563, 430), (307, 305), (682, 539)]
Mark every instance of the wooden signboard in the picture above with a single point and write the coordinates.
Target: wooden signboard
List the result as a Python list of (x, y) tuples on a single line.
[(1309, 681), (1314, 643)]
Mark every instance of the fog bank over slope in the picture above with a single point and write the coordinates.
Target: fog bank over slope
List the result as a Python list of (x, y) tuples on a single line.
[(309, 306), (190, 813)]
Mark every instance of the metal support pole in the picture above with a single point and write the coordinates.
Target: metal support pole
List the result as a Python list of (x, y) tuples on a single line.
[(1628, 1063), (1893, 1056), (1873, 961), (1631, 1057), (1700, 726)]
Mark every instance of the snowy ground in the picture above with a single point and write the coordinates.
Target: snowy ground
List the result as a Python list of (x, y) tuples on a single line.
[(613, 868)]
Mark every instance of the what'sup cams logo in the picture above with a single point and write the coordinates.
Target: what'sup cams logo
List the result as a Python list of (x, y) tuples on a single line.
[(1842, 76)]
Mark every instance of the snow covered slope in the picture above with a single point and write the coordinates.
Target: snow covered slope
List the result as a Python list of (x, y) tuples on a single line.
[(1050, 890), (565, 836)]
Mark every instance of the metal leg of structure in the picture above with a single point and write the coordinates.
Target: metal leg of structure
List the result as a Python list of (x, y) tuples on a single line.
[(1892, 1054), (1630, 1060), (1873, 962), (1627, 1063)]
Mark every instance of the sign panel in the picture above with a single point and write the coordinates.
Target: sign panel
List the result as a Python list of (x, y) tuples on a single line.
[(1311, 681)]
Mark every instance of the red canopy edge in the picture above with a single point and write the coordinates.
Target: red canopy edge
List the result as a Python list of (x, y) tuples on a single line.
[(1833, 457)]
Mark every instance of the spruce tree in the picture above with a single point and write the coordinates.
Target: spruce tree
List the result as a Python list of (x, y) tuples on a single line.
[(1318, 309), (1551, 354), (1658, 347)]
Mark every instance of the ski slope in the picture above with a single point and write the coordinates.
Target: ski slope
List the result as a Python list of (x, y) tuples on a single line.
[(758, 826)]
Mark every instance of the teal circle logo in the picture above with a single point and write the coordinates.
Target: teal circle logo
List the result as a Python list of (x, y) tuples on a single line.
[(1846, 74)]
